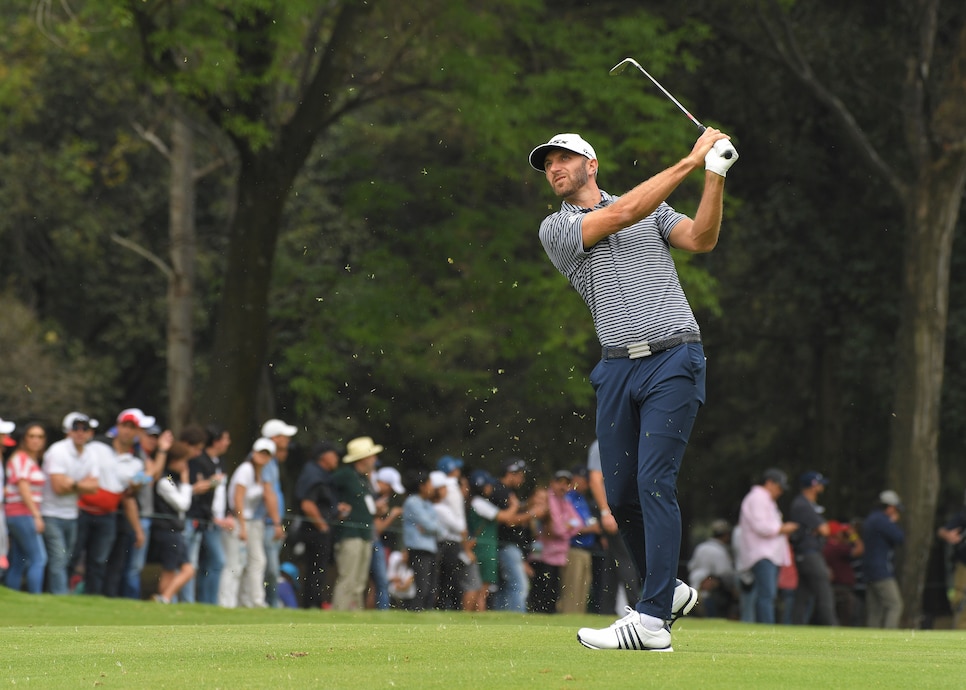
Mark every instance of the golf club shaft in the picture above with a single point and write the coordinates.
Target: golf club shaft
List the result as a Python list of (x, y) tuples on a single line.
[(622, 65)]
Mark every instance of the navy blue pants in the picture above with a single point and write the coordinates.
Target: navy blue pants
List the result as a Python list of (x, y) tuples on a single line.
[(645, 412)]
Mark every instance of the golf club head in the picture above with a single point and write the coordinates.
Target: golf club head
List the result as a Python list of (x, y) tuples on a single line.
[(622, 66)]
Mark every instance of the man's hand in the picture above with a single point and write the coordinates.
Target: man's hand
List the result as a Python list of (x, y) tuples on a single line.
[(721, 157)]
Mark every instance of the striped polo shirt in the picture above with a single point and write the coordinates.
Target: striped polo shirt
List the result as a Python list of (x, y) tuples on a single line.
[(628, 279)]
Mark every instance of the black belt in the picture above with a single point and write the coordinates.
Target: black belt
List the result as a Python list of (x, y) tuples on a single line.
[(647, 348)]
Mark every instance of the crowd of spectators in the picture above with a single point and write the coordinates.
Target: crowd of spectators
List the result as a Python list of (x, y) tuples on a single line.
[(89, 512)]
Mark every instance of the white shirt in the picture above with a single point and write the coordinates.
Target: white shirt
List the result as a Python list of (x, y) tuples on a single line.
[(177, 496), (63, 458), (244, 476)]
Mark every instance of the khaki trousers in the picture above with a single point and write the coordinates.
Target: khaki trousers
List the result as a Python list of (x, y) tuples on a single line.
[(575, 581), (352, 559)]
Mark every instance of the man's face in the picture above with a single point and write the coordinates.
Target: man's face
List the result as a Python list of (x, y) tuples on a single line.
[(80, 434), (221, 444), (281, 447), (366, 465), (149, 442), (514, 479), (566, 171), (127, 433), (329, 460)]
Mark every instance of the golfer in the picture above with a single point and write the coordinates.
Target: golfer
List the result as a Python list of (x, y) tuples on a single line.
[(650, 381)]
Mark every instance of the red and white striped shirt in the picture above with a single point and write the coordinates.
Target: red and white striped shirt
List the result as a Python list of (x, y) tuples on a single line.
[(21, 466)]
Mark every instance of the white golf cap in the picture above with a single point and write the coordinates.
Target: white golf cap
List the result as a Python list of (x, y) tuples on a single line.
[(276, 427), (266, 444), (391, 476), (437, 479), (569, 141), (73, 418), (7, 427)]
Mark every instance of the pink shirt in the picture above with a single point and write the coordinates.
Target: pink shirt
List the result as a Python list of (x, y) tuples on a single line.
[(759, 534), (22, 466), (558, 528)]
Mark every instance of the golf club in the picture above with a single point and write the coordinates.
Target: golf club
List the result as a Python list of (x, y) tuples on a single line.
[(621, 66)]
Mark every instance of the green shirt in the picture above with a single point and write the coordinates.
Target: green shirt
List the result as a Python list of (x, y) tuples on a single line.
[(353, 488)]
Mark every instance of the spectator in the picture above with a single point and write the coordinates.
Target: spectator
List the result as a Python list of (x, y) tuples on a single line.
[(842, 547), (814, 601), (243, 579), (173, 493), (576, 577), (23, 495), (6, 428), (712, 570), (617, 567), (130, 534), (70, 471), (273, 508), (482, 518), (954, 534), (316, 498), (420, 524), (454, 576), (121, 473), (881, 535), (452, 533), (154, 445), (559, 523), (353, 548), (402, 580), (288, 585), (202, 532), (763, 543), (513, 537), (787, 587), (388, 490)]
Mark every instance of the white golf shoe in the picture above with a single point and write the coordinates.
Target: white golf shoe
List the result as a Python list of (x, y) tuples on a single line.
[(685, 597), (627, 633)]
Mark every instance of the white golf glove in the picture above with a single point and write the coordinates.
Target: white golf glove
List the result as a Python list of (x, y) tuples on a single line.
[(718, 159)]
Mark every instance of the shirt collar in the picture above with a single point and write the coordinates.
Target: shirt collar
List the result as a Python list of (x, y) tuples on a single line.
[(605, 200)]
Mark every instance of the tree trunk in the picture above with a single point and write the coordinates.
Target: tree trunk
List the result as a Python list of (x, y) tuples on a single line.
[(180, 351), (913, 471), (241, 333)]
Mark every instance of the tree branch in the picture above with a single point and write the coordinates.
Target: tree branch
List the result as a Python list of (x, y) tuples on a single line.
[(787, 46), (147, 254)]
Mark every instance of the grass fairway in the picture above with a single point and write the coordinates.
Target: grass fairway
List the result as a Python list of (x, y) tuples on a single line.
[(75, 642)]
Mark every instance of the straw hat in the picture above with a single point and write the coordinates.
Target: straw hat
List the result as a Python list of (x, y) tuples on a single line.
[(359, 448)]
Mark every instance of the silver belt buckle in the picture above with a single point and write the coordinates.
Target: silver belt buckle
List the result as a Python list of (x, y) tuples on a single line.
[(637, 350)]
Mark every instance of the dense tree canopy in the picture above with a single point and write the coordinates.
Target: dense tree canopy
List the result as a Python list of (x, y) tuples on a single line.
[(367, 259)]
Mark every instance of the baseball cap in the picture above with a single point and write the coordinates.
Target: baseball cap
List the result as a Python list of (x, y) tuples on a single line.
[(569, 141), (438, 479), (776, 475), (891, 498), (6, 427), (563, 474), (264, 444), (448, 463), (480, 478), (276, 427), (514, 465), (812, 478), (137, 417), (391, 476), (720, 527)]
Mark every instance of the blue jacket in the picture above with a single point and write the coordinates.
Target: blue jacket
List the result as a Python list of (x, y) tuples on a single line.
[(881, 535)]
